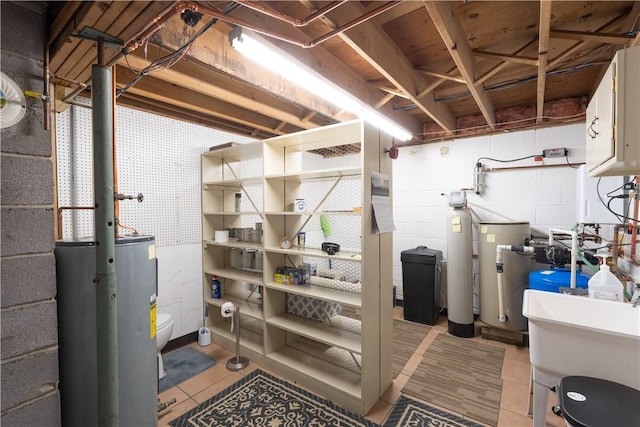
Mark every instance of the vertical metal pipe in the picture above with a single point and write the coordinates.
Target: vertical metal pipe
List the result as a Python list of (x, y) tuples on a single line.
[(106, 280), (46, 103)]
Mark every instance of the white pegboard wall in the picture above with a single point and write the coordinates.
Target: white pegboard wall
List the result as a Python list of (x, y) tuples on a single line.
[(157, 156)]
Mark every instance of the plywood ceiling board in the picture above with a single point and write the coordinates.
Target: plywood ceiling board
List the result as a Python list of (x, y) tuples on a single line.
[(489, 24), (116, 27), (85, 52), (87, 16)]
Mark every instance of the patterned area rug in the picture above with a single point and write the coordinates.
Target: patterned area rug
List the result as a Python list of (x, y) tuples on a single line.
[(409, 412), (182, 364), (260, 399), (407, 336), (460, 375)]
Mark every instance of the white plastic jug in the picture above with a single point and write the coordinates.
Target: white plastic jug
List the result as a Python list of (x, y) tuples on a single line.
[(605, 285)]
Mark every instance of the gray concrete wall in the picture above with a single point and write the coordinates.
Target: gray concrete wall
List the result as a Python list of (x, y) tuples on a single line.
[(29, 354)]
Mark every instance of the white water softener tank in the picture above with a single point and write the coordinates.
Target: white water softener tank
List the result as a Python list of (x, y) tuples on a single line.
[(515, 276), (460, 272)]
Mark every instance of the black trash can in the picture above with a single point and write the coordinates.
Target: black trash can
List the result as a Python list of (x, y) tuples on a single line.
[(421, 284)]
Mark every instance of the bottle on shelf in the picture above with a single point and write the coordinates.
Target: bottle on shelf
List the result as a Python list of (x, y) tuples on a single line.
[(216, 288), (238, 200)]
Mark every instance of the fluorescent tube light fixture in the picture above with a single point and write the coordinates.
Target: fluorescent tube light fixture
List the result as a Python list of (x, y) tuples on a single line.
[(265, 54)]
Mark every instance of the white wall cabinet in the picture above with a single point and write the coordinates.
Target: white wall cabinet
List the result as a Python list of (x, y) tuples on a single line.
[(613, 118), (333, 334)]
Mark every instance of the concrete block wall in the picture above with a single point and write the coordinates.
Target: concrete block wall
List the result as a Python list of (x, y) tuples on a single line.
[(29, 366), (543, 196)]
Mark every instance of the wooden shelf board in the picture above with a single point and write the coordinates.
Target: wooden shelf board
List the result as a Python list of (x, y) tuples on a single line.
[(232, 151), (318, 331), (341, 297), (329, 213), (236, 244), (232, 213), (317, 253), (331, 374), (235, 274), (231, 184), (314, 174)]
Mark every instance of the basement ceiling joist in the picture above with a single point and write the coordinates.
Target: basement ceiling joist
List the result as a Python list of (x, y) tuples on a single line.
[(432, 66)]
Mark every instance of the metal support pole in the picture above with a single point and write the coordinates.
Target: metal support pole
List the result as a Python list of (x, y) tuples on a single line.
[(106, 280), (237, 362)]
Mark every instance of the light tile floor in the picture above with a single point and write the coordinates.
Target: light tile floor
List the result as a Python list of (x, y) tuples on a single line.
[(513, 405)]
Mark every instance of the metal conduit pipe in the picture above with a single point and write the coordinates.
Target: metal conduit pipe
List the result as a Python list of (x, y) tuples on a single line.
[(634, 224), (288, 19), (157, 22), (46, 101), (105, 280), (305, 45)]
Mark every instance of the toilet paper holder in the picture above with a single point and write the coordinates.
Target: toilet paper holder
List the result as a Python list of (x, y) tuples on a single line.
[(232, 310)]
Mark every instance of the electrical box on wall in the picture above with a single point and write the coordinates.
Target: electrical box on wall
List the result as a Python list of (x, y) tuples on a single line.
[(613, 124)]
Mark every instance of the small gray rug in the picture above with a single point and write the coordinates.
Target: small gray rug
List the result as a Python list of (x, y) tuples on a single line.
[(461, 375), (407, 336), (182, 364)]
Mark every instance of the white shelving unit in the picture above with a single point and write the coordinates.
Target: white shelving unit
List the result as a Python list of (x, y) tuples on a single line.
[(332, 334)]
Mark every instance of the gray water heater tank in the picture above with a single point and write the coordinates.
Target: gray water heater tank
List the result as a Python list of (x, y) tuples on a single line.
[(515, 276), (136, 270)]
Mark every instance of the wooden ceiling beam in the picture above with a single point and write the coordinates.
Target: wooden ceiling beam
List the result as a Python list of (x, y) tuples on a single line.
[(191, 75), (495, 70), (213, 50), (555, 61), (168, 110), (377, 48), (543, 53), (452, 78), (451, 32), (396, 12), (591, 37), (505, 57), (152, 88), (61, 21)]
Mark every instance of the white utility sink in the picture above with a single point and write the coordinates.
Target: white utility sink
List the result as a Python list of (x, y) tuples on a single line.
[(572, 335)]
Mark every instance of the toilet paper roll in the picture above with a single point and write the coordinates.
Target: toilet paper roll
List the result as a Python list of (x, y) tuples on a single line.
[(221, 236), (227, 309)]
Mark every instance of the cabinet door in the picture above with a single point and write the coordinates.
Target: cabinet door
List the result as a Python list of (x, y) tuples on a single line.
[(601, 121)]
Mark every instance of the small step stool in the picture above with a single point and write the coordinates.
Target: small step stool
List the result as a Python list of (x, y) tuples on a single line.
[(592, 402)]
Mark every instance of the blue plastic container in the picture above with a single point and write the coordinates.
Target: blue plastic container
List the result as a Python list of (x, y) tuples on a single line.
[(553, 280)]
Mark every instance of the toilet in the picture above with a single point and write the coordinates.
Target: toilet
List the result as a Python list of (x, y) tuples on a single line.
[(164, 329)]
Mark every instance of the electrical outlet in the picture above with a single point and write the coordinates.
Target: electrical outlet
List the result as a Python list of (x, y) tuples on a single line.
[(555, 152)]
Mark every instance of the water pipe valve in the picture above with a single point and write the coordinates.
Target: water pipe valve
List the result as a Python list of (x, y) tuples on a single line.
[(139, 197)]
